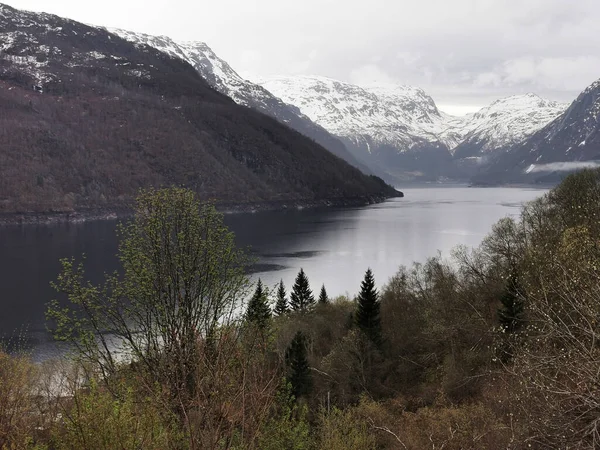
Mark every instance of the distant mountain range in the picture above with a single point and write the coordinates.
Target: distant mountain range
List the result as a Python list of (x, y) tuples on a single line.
[(400, 129), (88, 115), (568, 143), (397, 132), (88, 118)]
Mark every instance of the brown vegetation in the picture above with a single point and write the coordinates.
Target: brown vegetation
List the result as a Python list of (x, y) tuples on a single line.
[(447, 374)]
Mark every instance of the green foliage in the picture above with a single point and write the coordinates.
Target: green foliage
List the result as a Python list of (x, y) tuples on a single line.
[(469, 426), (18, 424), (344, 429), (182, 278), (323, 298), (352, 367), (367, 314), (298, 368), (576, 201), (258, 312), (411, 368), (289, 427), (301, 298), (99, 420), (281, 304)]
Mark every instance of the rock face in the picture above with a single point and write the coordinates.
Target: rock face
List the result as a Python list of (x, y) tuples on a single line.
[(399, 129), (570, 142), (88, 118), (223, 78)]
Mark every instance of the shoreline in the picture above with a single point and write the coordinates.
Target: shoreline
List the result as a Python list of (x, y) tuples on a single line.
[(89, 215)]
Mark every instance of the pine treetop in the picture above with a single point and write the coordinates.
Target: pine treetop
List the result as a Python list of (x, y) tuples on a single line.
[(367, 316), (258, 311), (281, 305), (323, 298), (301, 298)]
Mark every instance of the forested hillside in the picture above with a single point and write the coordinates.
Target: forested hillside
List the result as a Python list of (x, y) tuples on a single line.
[(87, 118)]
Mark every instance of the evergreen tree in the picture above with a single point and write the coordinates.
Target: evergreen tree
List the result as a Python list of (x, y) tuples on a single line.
[(511, 313), (258, 311), (301, 298), (367, 316), (281, 306), (297, 363), (323, 298)]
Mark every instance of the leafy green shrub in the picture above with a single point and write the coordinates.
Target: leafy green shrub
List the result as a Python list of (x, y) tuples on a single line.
[(97, 419)]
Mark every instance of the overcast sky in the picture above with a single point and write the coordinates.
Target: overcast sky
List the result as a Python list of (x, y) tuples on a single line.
[(465, 53)]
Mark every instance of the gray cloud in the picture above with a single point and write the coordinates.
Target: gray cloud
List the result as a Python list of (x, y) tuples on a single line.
[(463, 52), (562, 166)]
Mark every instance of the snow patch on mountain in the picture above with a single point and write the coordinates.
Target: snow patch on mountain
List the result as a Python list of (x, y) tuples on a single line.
[(398, 116), (404, 116), (509, 121), (223, 78), (219, 74)]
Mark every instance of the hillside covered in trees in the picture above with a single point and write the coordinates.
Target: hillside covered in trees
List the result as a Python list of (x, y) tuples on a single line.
[(87, 119), (496, 348)]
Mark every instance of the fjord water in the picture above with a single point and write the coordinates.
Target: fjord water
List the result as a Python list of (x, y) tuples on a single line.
[(334, 246)]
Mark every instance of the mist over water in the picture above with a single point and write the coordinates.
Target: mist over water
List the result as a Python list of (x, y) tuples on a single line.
[(334, 246)]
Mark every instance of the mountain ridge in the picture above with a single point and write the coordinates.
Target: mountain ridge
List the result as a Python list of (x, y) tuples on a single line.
[(88, 118), (402, 121), (222, 77), (396, 131), (570, 142)]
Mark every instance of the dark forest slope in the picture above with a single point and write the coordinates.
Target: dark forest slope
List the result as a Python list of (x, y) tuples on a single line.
[(86, 119)]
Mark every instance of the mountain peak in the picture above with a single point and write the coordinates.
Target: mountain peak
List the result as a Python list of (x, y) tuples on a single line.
[(592, 87), (347, 109), (569, 142), (522, 101)]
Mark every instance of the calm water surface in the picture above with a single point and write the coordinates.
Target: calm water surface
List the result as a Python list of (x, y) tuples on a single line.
[(334, 246)]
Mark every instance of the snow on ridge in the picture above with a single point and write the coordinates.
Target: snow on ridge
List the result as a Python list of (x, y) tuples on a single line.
[(387, 116), (510, 120), (217, 72), (592, 87), (398, 115), (405, 115)]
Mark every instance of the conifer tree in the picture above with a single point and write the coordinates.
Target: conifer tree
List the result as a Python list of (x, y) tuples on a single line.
[(367, 316), (511, 313), (258, 311), (323, 298), (281, 306), (301, 298), (298, 368)]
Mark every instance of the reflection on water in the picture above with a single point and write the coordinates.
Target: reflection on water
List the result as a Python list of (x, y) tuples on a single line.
[(334, 246)]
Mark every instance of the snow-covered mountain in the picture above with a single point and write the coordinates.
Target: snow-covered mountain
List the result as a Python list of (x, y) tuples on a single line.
[(398, 130), (401, 128), (571, 141), (222, 77), (504, 123), (385, 116), (88, 118)]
